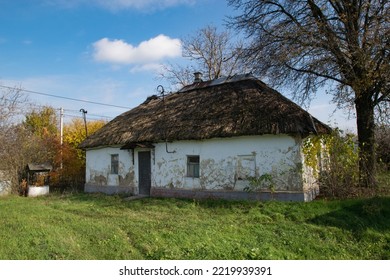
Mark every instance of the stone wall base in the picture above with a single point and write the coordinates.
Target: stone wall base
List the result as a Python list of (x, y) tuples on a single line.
[(89, 188), (307, 195), (234, 195)]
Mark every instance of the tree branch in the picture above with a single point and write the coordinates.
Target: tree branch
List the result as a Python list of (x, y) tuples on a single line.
[(312, 72)]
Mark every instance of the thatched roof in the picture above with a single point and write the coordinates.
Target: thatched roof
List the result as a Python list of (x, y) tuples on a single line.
[(226, 107)]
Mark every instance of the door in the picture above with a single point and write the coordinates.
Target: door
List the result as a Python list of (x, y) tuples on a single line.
[(144, 173)]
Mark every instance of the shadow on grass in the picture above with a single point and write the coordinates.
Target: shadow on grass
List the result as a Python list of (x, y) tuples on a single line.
[(359, 215)]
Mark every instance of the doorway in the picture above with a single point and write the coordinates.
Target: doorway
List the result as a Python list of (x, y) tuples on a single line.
[(144, 172)]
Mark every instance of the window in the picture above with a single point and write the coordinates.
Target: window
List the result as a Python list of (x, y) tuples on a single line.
[(193, 166), (114, 164)]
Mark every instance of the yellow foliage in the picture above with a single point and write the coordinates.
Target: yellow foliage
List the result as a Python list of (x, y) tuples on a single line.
[(74, 132)]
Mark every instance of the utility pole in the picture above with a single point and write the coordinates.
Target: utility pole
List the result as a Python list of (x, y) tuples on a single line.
[(61, 131), (61, 126), (85, 121)]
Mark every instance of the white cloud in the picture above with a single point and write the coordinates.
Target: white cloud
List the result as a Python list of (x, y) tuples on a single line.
[(149, 67), (147, 52)]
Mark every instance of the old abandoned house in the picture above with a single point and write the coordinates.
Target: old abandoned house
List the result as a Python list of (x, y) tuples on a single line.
[(211, 139)]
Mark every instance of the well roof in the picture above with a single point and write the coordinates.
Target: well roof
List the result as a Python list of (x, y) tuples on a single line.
[(225, 107)]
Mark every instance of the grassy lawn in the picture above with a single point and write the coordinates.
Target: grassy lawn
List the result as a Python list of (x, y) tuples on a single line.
[(82, 226)]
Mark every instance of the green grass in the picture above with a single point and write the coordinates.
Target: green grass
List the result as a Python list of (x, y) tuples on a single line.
[(82, 226)]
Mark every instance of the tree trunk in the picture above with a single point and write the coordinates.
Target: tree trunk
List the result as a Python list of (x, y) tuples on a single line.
[(366, 137)]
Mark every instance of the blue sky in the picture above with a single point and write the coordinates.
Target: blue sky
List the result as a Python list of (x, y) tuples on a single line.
[(105, 51)]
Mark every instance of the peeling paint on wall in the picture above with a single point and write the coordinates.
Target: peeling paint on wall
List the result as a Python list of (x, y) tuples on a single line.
[(128, 179), (225, 164), (217, 175), (99, 180), (98, 171)]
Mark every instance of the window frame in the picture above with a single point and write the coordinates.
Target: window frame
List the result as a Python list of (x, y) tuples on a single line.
[(193, 166), (114, 164)]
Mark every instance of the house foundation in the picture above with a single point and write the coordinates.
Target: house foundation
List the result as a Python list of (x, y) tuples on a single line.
[(234, 195)]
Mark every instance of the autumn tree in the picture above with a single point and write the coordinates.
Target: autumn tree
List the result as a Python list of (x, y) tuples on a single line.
[(74, 133), (42, 121), (308, 44), (42, 124), (19, 145), (209, 51), (30, 133), (68, 161), (71, 175)]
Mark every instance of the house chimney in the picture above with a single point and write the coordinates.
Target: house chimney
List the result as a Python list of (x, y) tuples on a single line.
[(198, 77)]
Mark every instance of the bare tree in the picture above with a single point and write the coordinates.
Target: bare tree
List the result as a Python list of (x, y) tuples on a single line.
[(211, 52), (313, 43), (11, 100), (177, 75)]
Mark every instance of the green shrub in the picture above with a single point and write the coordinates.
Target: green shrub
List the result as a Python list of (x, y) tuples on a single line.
[(262, 182), (341, 178), (334, 159), (382, 137)]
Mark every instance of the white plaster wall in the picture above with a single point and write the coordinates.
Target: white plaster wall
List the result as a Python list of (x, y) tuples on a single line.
[(278, 155), (98, 166), (220, 161)]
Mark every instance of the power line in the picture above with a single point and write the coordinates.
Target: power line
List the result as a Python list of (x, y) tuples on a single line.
[(88, 117), (68, 98), (33, 106), (92, 115)]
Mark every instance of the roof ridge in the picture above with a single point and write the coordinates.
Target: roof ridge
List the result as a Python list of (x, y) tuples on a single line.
[(218, 81)]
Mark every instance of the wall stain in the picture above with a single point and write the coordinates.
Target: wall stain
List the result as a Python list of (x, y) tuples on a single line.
[(100, 180), (128, 180)]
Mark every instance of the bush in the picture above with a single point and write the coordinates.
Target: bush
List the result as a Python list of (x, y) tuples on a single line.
[(382, 135), (340, 178)]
